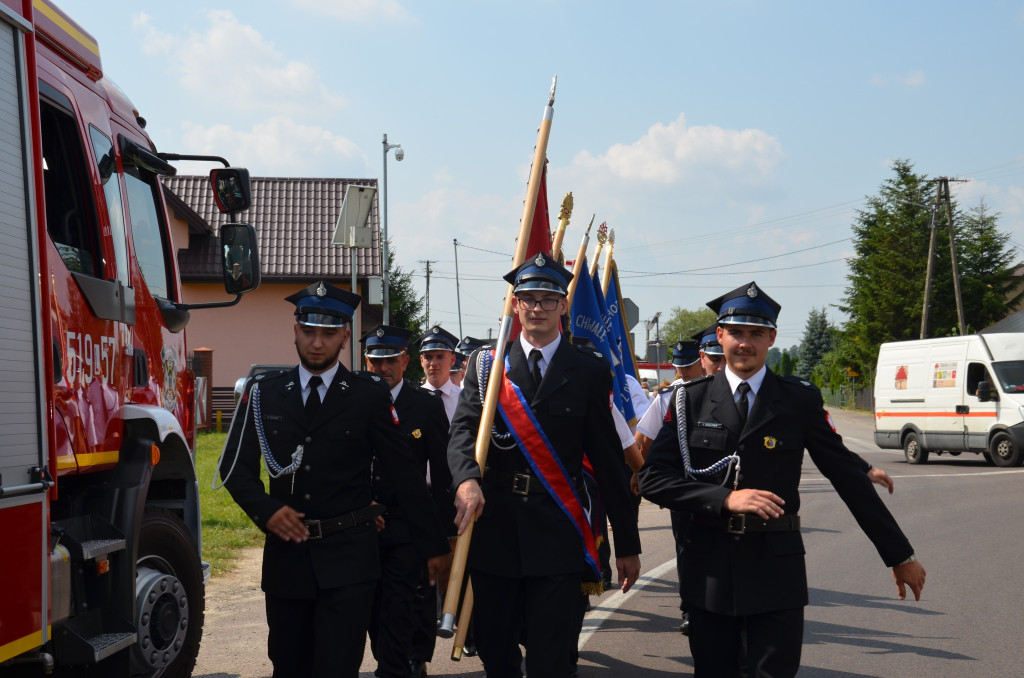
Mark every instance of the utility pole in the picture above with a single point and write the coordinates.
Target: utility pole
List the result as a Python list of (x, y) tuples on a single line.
[(458, 297), (428, 262), (942, 196)]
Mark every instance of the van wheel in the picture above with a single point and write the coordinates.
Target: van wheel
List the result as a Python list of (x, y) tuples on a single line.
[(1004, 451), (913, 451)]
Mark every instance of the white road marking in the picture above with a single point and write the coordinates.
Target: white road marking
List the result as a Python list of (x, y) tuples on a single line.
[(592, 622)]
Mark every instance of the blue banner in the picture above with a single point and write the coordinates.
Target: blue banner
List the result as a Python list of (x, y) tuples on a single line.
[(591, 319), (619, 328)]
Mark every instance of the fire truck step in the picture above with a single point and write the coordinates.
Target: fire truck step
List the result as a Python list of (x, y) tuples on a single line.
[(92, 637)]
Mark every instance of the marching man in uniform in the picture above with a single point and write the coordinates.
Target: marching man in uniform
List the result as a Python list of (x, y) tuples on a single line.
[(317, 427), (437, 357), (402, 629), (730, 454), (532, 540)]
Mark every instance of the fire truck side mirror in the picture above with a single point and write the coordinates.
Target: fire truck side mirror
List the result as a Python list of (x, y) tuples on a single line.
[(241, 258), (232, 190)]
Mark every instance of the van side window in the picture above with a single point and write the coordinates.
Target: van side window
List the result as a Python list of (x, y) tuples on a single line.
[(147, 232), (70, 212), (976, 373), (107, 168)]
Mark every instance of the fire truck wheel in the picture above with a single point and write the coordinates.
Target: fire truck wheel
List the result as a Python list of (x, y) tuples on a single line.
[(169, 598)]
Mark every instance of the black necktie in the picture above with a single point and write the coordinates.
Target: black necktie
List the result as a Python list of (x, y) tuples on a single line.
[(313, 400), (743, 405), (535, 356)]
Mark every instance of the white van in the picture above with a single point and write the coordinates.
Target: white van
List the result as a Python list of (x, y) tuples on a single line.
[(952, 395)]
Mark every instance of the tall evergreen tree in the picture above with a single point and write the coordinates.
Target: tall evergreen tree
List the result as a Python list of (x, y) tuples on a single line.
[(816, 343), (986, 263), (885, 296)]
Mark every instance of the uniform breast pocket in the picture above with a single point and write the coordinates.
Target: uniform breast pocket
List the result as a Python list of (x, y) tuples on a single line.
[(344, 429), (276, 428), (566, 408), (709, 439)]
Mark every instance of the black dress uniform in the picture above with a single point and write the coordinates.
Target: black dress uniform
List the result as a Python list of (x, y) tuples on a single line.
[(526, 557), (742, 567), (404, 591), (319, 592)]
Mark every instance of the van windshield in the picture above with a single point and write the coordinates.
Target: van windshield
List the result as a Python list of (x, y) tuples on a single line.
[(1010, 374)]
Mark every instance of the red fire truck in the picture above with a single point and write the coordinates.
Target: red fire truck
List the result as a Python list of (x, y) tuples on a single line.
[(100, 567)]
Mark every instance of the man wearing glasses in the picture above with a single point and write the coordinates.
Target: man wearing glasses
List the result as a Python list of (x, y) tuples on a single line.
[(530, 546)]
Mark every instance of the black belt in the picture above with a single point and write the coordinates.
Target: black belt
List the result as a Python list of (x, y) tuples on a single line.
[(521, 483), (318, 529), (741, 523)]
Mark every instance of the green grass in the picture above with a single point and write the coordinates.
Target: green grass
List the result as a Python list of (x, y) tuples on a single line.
[(226, 529)]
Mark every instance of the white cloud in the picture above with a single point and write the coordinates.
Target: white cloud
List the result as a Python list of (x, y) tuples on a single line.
[(914, 78), (278, 146), (669, 154), (232, 63), (356, 10)]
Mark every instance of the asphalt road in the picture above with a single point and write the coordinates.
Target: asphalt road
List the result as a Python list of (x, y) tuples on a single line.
[(962, 516)]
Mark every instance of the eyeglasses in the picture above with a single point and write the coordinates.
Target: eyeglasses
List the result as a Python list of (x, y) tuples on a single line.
[(547, 303)]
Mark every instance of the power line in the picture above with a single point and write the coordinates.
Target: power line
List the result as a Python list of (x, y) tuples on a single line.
[(641, 274)]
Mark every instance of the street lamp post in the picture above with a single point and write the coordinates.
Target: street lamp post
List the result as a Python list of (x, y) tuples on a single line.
[(399, 154)]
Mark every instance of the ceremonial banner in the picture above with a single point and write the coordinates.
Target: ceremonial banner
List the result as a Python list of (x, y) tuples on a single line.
[(591, 319), (619, 328), (540, 234)]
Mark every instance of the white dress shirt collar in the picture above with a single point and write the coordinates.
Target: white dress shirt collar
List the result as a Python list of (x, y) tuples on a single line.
[(754, 382)]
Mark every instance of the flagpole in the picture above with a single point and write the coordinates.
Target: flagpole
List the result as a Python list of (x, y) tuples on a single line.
[(577, 265), (602, 235), (483, 437), (606, 274), (563, 221)]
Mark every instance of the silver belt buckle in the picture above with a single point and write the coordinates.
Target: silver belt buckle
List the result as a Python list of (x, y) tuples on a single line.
[(314, 534), (736, 524), (521, 484)]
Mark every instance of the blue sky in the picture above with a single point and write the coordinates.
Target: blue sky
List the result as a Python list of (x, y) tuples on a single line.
[(737, 138)]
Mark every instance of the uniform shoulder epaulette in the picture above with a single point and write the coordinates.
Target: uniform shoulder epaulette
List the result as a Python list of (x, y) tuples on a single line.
[(372, 378), (667, 389), (796, 381), (429, 392), (699, 380), (587, 349), (268, 375)]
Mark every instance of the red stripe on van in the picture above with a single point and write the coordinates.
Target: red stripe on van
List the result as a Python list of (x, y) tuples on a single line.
[(934, 414)]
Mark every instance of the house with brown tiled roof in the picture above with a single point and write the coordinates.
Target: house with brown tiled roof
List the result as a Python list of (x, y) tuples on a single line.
[(294, 220)]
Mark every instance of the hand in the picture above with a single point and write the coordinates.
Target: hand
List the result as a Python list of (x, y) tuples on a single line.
[(912, 574), (379, 521), (286, 523), (634, 484), (628, 569), (438, 569), (762, 502), (469, 503), (877, 475)]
